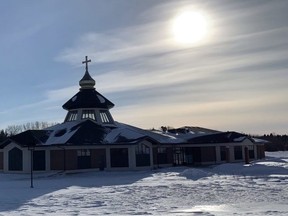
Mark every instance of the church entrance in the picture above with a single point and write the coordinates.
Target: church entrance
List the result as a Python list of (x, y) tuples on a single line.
[(84, 159)]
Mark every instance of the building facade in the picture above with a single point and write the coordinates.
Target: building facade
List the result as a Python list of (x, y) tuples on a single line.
[(89, 138)]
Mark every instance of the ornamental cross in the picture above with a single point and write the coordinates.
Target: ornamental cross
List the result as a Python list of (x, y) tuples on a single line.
[(86, 62)]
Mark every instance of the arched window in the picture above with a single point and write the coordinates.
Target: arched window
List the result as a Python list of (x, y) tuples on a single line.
[(15, 159)]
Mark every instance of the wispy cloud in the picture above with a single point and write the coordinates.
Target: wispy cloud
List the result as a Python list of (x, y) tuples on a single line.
[(239, 73), (225, 79)]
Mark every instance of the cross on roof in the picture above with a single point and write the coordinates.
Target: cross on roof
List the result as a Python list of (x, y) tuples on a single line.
[(86, 62)]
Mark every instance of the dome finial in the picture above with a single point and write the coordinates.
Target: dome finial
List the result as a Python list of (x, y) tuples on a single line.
[(87, 82)]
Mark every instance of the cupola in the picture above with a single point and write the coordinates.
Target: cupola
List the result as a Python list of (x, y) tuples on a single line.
[(87, 82), (88, 103)]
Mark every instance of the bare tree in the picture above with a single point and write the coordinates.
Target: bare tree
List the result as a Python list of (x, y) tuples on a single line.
[(16, 129)]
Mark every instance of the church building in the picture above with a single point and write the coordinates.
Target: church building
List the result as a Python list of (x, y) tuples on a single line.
[(90, 138)]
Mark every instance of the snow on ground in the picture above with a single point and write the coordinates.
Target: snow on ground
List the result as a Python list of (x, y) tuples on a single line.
[(260, 188)]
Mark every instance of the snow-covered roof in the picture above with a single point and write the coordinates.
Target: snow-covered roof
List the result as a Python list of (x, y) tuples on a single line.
[(88, 132), (257, 140)]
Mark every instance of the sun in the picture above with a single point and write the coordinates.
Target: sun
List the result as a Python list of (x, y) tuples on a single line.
[(190, 27)]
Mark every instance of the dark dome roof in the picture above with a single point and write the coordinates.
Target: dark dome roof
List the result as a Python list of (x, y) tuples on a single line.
[(87, 82)]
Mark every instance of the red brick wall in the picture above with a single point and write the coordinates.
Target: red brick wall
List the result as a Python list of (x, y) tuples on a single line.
[(71, 159), (57, 159)]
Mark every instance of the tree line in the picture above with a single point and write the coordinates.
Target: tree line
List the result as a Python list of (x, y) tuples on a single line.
[(275, 142), (16, 129)]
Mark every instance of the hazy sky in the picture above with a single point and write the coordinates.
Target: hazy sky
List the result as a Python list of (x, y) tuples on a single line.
[(233, 79)]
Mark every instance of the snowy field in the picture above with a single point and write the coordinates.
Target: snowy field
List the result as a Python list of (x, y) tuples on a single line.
[(260, 188)]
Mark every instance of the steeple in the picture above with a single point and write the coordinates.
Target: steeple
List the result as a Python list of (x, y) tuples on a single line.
[(88, 103), (87, 82)]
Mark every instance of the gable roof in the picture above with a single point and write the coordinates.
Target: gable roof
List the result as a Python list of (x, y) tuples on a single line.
[(28, 138)]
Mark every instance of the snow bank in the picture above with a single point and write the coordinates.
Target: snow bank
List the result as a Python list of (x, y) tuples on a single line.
[(274, 164)]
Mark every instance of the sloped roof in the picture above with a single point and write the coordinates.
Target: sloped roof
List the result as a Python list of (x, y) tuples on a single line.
[(128, 131), (30, 138), (88, 132), (192, 129), (221, 137), (88, 98)]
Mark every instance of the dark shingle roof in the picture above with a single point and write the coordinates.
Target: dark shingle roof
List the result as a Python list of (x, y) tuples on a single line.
[(222, 137), (88, 98), (31, 137), (88, 132)]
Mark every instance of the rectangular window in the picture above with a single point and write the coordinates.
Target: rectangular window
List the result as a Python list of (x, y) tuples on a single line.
[(83, 159), (238, 152), (142, 149), (223, 153), (72, 116), (105, 116), (162, 150), (251, 151), (83, 152), (88, 114), (142, 155)]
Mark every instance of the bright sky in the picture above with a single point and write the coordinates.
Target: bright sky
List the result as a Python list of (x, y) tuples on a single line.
[(231, 76)]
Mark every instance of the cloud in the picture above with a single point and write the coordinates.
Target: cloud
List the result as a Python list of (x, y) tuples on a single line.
[(238, 74)]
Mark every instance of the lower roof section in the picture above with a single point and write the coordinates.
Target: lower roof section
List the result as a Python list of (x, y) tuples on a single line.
[(87, 132)]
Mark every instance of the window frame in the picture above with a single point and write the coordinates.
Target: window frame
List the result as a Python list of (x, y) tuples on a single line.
[(72, 116), (105, 117), (88, 114)]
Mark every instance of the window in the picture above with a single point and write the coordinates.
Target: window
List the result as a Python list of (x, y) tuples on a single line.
[(84, 159), (72, 116), (15, 159), (83, 152), (105, 116), (39, 160), (142, 149), (251, 151), (142, 155), (162, 150), (250, 147), (162, 155), (238, 152), (88, 114), (223, 152)]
